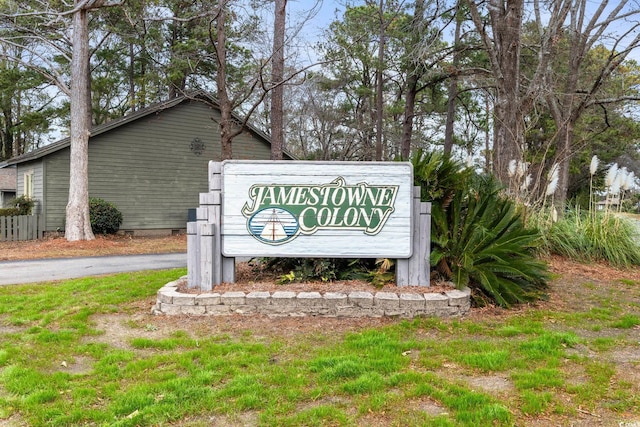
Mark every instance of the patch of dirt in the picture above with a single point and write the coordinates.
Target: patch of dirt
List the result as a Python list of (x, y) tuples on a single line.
[(490, 383), (626, 355), (333, 400), (13, 421), (429, 406), (10, 329), (241, 419), (119, 329), (79, 365), (59, 247)]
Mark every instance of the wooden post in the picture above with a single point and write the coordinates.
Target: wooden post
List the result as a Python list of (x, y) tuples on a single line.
[(227, 271), (205, 264), (402, 272), (419, 262), (215, 176), (203, 269), (215, 217), (207, 249), (415, 270), (210, 203), (193, 256)]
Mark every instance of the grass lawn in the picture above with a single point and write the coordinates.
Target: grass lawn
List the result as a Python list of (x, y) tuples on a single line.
[(88, 352)]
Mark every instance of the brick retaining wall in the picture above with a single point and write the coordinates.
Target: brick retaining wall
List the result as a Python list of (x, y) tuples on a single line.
[(330, 304)]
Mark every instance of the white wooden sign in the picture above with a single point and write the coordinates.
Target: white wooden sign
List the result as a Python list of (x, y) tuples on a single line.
[(317, 209)]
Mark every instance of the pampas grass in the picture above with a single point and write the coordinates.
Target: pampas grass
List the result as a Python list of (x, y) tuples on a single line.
[(593, 167), (522, 169), (628, 181), (610, 177), (588, 237), (526, 184), (594, 238), (553, 177)]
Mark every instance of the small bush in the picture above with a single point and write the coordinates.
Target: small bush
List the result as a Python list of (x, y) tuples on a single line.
[(104, 216), (290, 270), (9, 212), (23, 204)]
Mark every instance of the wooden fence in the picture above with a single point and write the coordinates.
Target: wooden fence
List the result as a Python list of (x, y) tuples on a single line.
[(22, 227)]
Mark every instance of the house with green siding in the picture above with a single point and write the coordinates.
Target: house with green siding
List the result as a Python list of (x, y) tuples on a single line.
[(152, 164)]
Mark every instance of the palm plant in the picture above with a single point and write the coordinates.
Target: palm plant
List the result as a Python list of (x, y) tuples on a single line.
[(479, 239), (439, 176)]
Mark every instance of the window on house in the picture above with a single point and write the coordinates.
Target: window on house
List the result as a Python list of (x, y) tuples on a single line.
[(28, 184)]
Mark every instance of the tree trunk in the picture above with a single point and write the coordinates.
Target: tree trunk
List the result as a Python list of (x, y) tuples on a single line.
[(131, 77), (503, 48), (78, 225), (506, 22), (415, 70), (563, 159), (488, 160), (564, 116), (277, 76), (508, 134), (379, 91), (409, 112), (9, 147), (453, 87), (226, 118)]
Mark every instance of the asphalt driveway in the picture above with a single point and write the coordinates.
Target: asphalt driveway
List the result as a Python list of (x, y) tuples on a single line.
[(44, 270)]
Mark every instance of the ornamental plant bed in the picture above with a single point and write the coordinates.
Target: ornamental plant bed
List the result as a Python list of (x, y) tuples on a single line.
[(248, 281)]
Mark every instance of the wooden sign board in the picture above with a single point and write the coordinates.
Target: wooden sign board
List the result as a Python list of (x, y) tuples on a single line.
[(317, 209)]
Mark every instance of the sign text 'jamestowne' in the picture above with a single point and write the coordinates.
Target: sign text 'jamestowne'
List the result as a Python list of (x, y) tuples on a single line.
[(278, 213)]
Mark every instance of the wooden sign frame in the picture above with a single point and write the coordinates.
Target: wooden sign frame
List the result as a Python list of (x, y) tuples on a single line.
[(316, 209), (308, 209)]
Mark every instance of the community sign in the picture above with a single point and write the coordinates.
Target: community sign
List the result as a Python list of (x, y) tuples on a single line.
[(316, 209)]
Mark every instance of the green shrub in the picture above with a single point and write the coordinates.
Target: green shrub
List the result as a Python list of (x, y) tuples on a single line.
[(23, 204), (104, 216), (9, 212), (478, 238)]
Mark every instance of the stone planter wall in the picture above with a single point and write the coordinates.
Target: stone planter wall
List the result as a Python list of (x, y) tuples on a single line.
[(329, 304)]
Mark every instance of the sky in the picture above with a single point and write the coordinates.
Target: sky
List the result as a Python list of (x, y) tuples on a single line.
[(314, 27)]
